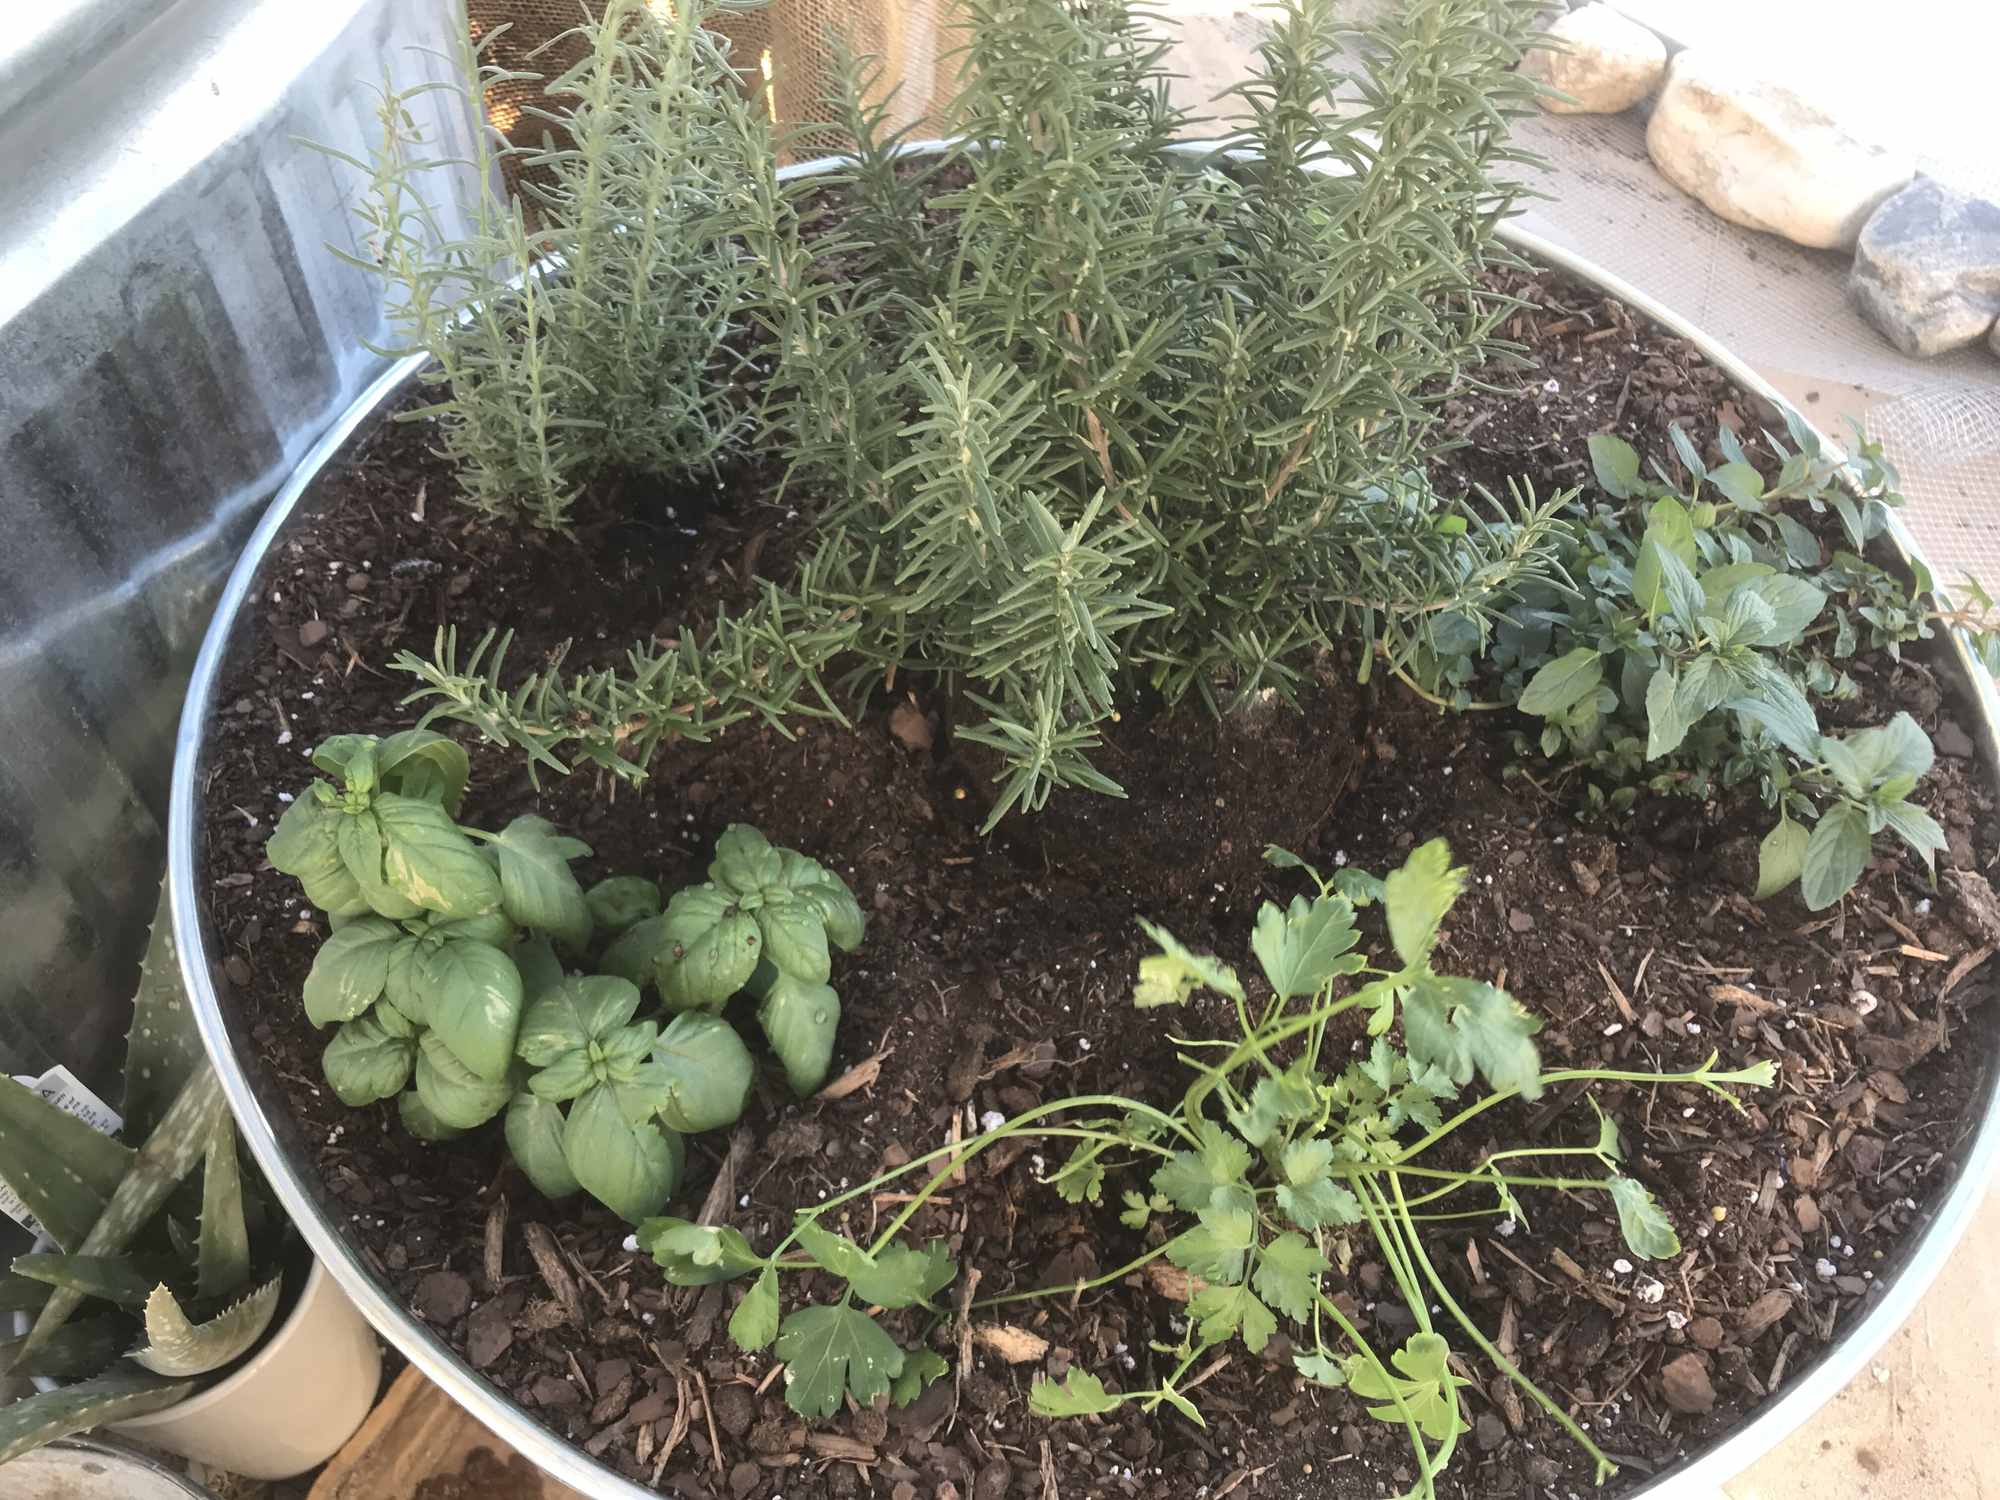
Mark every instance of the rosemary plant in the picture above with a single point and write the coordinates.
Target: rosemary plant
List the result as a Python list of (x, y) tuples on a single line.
[(1113, 420), (620, 360)]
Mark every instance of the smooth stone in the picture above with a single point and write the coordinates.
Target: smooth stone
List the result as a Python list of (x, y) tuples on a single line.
[(1606, 63), (1927, 269), (1759, 155)]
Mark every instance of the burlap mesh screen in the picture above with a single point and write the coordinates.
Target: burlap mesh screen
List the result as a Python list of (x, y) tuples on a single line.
[(787, 42)]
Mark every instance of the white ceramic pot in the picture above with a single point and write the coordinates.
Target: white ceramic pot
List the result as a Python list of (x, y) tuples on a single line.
[(285, 1409)]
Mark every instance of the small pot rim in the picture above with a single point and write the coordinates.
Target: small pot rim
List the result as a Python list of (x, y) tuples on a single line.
[(1701, 1476)]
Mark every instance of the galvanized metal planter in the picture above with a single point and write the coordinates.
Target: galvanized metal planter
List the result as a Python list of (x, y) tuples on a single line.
[(1897, 1290)]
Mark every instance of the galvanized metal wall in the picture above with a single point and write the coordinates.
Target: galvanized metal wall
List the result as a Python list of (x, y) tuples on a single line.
[(173, 336)]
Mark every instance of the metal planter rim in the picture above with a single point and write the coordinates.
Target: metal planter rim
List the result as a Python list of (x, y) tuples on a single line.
[(1702, 1476)]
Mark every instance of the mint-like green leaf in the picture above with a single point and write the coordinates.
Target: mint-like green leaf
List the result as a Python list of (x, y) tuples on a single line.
[(1916, 828), (1171, 975), (1416, 898), (1781, 857), (1794, 605), (1615, 462), (1287, 1274), (1563, 683), (1306, 947), (831, 1352), (350, 970), (1743, 485), (1836, 854), (1647, 1230), (755, 1322)]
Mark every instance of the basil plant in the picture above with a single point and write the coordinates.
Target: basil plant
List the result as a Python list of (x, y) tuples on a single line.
[(447, 974)]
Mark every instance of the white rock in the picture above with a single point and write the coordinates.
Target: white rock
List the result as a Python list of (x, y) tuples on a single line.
[(1759, 155), (1927, 270), (1606, 63)]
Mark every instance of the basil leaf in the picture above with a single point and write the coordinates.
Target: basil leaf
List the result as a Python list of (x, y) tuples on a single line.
[(535, 1129), (350, 970), (811, 880), (418, 1119), (635, 955), (359, 838), (541, 970), (795, 937), (577, 1012), (745, 861), (429, 861), (352, 758), (619, 902), (475, 1004), (304, 846), (452, 1092), (536, 886), (402, 982), (710, 950), (565, 1078), (708, 1071), (799, 1020), (366, 1061), (631, 1169), (424, 764)]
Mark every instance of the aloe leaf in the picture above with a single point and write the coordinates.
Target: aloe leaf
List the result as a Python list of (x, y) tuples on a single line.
[(118, 1395), (64, 1171), (223, 1255), (77, 1350), (174, 1346), (170, 1152), (163, 1047), (109, 1278)]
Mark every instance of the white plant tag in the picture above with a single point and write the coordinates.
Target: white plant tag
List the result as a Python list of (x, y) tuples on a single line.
[(66, 1092)]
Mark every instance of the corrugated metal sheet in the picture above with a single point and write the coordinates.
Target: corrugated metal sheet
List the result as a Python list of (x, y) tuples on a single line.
[(173, 336)]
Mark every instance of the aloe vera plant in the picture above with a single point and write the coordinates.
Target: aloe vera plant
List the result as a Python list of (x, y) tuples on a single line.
[(171, 1303)]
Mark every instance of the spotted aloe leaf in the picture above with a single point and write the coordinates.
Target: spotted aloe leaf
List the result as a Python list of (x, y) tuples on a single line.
[(118, 1395), (64, 1171), (164, 1046), (179, 1348), (222, 1253), (169, 1154)]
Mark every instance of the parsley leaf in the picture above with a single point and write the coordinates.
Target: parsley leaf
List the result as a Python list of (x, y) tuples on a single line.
[(1288, 1271), (832, 1351)]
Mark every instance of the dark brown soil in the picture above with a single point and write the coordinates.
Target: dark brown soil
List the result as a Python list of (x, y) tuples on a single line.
[(996, 973)]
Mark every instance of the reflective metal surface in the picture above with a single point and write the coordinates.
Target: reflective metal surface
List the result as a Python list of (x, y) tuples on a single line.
[(173, 337), (297, 1184)]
